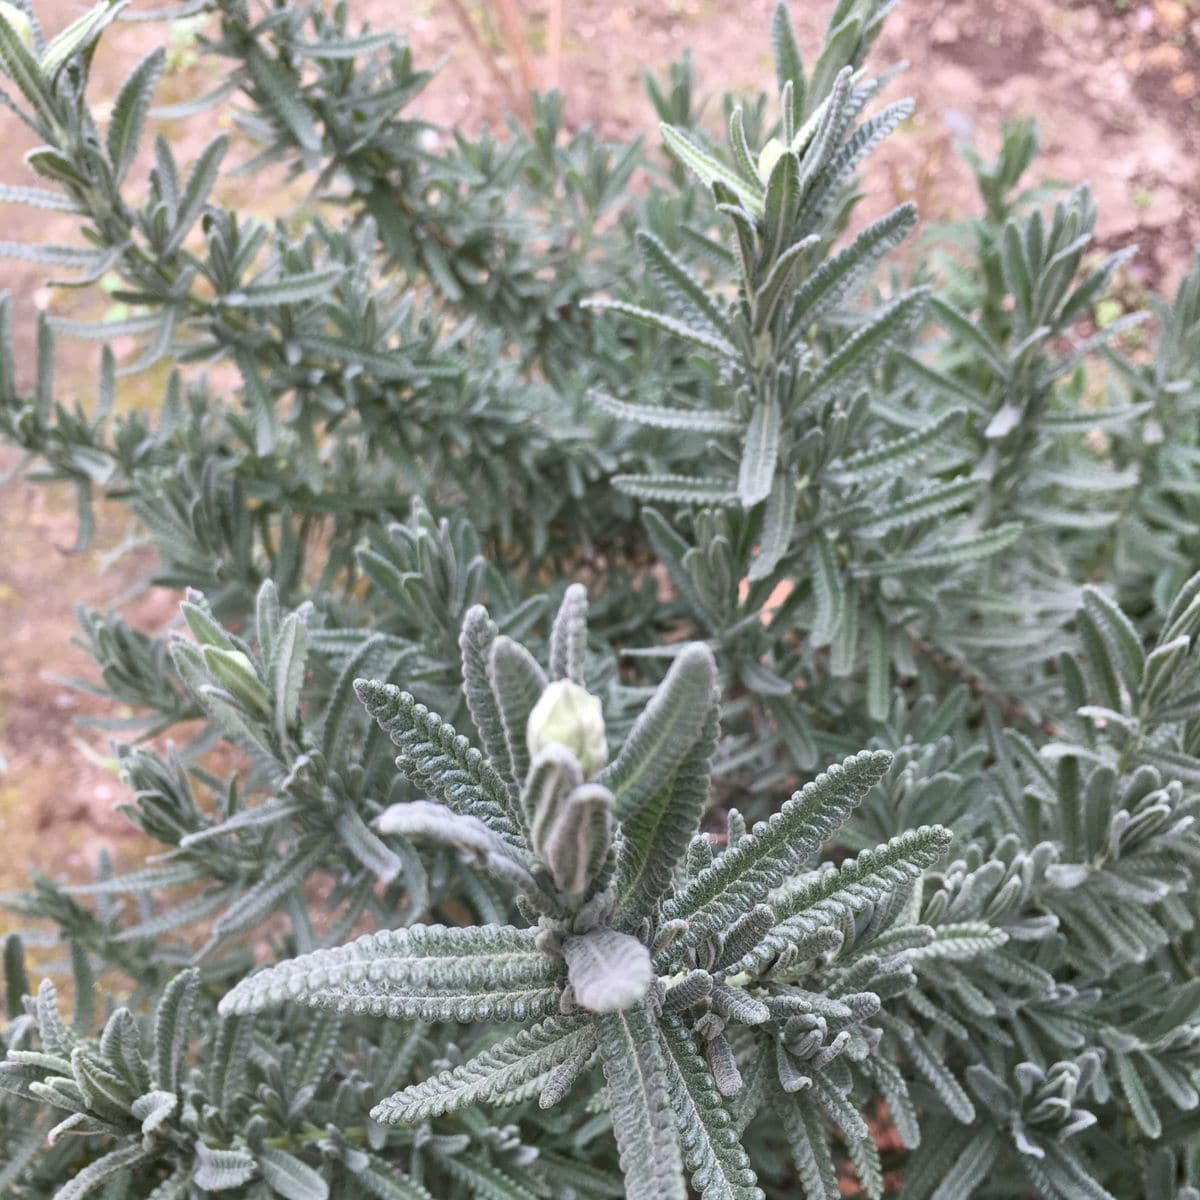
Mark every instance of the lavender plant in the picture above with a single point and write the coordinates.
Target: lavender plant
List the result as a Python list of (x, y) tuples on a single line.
[(660, 705)]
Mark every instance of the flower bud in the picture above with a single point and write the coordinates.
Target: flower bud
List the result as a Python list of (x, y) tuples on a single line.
[(18, 20), (569, 716), (235, 656), (234, 671), (768, 156)]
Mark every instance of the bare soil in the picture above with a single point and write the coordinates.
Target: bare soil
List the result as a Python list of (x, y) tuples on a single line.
[(1115, 88)]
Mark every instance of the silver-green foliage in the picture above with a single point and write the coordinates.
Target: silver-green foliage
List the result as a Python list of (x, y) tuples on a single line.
[(831, 505)]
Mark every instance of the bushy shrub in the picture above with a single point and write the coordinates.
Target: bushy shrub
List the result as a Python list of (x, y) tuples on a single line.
[(538, 915)]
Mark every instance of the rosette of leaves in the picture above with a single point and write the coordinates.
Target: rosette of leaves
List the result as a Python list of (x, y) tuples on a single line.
[(648, 948), (1042, 1108)]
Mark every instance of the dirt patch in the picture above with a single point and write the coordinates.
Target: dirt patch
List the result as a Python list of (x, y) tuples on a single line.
[(58, 788), (990, 49)]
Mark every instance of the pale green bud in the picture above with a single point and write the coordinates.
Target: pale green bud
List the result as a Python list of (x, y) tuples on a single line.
[(768, 156), (236, 674), (568, 716), (236, 656)]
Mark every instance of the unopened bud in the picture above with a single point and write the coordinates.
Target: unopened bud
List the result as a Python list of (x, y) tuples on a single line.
[(237, 657), (234, 671), (768, 156), (569, 716)]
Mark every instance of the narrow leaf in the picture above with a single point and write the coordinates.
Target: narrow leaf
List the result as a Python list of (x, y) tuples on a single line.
[(642, 1119), (759, 453)]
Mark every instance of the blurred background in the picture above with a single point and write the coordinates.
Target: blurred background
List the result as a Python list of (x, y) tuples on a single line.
[(1114, 86)]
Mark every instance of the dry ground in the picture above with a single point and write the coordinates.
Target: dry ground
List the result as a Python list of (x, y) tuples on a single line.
[(1115, 87)]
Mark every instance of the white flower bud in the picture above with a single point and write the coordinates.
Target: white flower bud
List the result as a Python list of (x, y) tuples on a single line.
[(234, 656), (569, 716), (19, 22), (768, 156)]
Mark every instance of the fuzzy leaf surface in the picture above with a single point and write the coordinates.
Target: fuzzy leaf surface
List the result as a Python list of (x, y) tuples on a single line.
[(425, 972)]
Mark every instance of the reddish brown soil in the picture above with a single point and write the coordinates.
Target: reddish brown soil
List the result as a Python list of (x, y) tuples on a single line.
[(56, 801), (1116, 90)]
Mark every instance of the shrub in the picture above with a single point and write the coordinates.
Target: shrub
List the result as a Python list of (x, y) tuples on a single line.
[(739, 506)]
